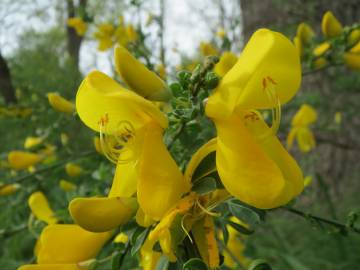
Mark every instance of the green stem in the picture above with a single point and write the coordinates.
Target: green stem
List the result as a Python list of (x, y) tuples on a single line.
[(334, 223)]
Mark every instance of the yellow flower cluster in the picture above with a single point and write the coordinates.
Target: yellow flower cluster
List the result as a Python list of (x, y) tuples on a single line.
[(333, 32), (109, 35)]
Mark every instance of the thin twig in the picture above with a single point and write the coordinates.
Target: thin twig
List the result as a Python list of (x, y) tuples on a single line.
[(177, 134), (334, 223)]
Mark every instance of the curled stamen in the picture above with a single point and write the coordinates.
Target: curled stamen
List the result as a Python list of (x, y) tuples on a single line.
[(116, 145), (269, 86), (184, 229)]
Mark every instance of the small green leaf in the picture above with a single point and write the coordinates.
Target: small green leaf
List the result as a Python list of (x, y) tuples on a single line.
[(195, 264), (139, 241), (240, 228), (246, 213), (206, 166), (116, 259), (204, 185), (259, 264), (162, 263)]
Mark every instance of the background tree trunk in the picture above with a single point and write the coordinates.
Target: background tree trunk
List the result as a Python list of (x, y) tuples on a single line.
[(73, 39), (6, 87)]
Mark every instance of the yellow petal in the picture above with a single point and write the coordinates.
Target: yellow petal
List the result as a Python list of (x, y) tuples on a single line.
[(352, 60), (73, 170), (306, 115), (269, 64), (121, 238), (227, 61), (66, 185), (353, 37), (9, 189), (60, 104), (160, 183), (64, 138), (305, 139), (138, 77), (148, 257), (196, 159), (78, 24), (259, 172), (125, 180), (321, 49), (142, 219), (40, 208), (97, 144), (19, 160), (308, 180), (330, 26), (207, 49), (291, 137), (320, 63), (338, 118), (102, 214), (305, 33), (32, 141), (69, 243), (100, 96), (131, 33), (49, 267), (299, 46)]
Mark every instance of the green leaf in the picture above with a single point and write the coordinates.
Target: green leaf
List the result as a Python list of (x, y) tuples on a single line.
[(195, 264), (259, 264), (139, 241), (240, 228), (206, 166), (248, 214), (204, 185), (162, 263), (116, 260)]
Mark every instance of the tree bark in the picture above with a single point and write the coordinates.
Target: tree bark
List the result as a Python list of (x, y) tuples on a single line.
[(6, 87), (73, 39)]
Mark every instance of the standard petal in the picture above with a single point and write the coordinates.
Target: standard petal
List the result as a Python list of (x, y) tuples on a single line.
[(246, 171), (306, 115), (138, 77), (99, 97), (69, 243), (330, 26), (102, 214), (161, 183), (269, 65), (49, 267), (40, 207)]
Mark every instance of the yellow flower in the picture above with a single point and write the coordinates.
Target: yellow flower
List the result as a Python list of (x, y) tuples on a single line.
[(60, 104), (338, 118), (131, 33), (352, 57), (78, 24), (32, 141), (353, 37), (66, 185), (207, 48), (73, 170), (227, 61), (8, 189), (105, 34), (131, 130), (121, 238), (299, 46), (221, 33), (330, 26), (320, 62), (305, 116), (148, 257), (40, 208), (20, 160), (150, 86), (305, 33), (67, 247), (236, 246), (321, 49), (251, 162)]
